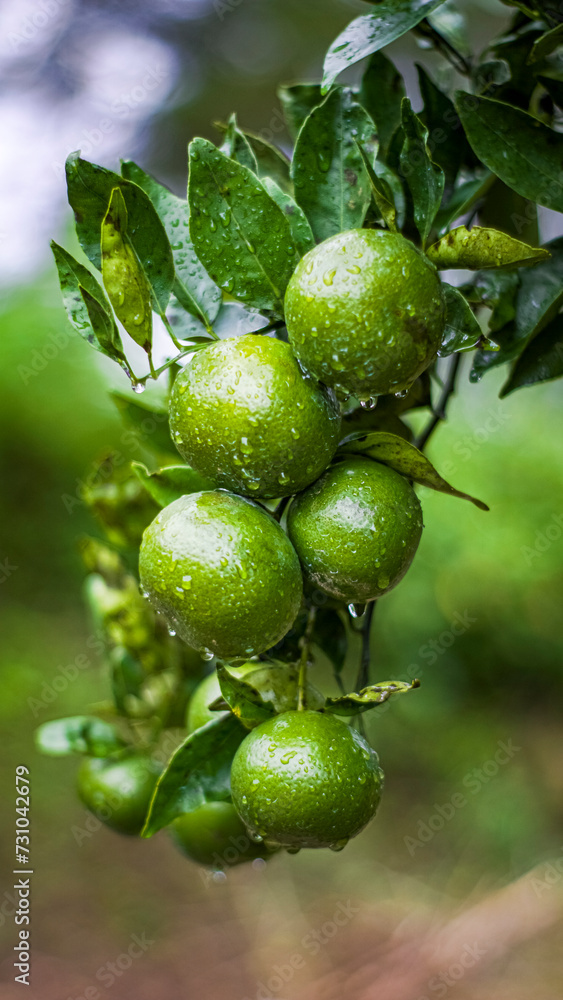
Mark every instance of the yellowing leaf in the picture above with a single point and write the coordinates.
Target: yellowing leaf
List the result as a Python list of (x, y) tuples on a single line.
[(479, 249), (124, 279)]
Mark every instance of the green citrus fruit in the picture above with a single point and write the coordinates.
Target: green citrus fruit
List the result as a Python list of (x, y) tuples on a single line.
[(243, 413), (304, 779), (223, 573), (276, 682), (213, 835), (365, 312), (118, 790), (356, 529)]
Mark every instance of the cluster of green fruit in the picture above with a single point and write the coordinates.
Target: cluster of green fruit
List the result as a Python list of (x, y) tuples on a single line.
[(260, 420)]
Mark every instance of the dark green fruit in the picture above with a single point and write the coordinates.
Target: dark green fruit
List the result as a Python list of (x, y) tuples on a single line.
[(213, 835), (118, 790)]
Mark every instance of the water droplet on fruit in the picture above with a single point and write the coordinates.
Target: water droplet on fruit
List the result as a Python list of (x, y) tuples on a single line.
[(293, 850), (356, 610), (206, 654), (339, 845)]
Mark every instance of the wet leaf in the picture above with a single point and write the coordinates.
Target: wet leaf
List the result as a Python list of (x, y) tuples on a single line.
[(480, 248), (80, 734), (149, 423), (193, 286), (171, 482), (446, 141), (462, 331), (424, 177), (546, 44), (199, 771), (541, 360), (87, 306), (300, 229), (466, 196), (541, 292), (404, 458), (269, 161), (329, 634), (124, 279), (330, 180), (241, 236), (236, 146), (89, 193), (369, 697), (381, 92), (517, 147), (371, 32), (381, 192), (245, 702)]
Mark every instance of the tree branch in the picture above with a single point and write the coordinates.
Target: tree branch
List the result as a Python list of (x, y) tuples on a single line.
[(439, 411)]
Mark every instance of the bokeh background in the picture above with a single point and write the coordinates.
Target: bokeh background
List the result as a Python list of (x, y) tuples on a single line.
[(457, 888)]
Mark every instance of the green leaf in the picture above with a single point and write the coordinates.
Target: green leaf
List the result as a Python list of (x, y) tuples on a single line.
[(199, 771), (497, 290), (89, 193), (329, 634), (193, 286), (124, 279), (245, 702), (462, 331), (381, 192), (297, 102), (466, 196), (171, 482), (405, 459), (236, 145), (149, 423), (541, 360), (446, 141), (369, 697), (80, 734), (480, 248), (546, 44), (541, 292), (241, 236), (381, 92), (87, 306), (301, 231), (424, 177), (270, 161), (554, 89), (523, 152), (329, 176), (372, 32)]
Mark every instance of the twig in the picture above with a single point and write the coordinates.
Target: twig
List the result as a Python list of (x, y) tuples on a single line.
[(455, 58), (363, 671), (439, 411), (305, 645)]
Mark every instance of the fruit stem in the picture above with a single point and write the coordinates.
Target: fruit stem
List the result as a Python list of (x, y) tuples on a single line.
[(363, 671), (305, 646), (442, 45), (439, 411), (275, 325)]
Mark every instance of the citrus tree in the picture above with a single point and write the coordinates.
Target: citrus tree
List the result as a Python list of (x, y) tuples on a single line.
[(305, 305)]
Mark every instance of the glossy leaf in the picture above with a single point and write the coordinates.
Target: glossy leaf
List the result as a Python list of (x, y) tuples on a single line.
[(381, 193), (89, 193), (241, 236), (301, 231), (425, 178), (541, 292), (462, 331), (546, 44), (297, 102), (193, 286), (87, 306), (405, 459), (381, 92), (270, 161), (199, 771), (329, 176), (171, 482), (541, 360), (497, 290), (80, 734), (124, 279), (518, 148), (244, 701), (369, 697), (371, 32), (446, 141), (480, 248)]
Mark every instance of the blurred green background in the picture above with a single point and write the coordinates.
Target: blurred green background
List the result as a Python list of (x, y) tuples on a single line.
[(493, 678)]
